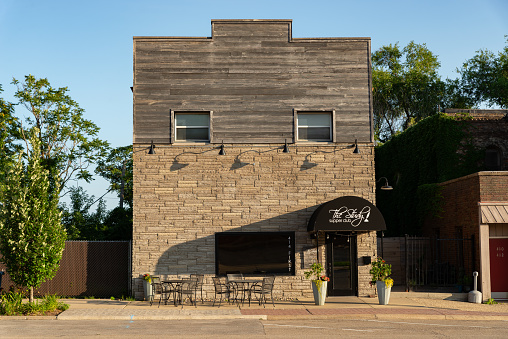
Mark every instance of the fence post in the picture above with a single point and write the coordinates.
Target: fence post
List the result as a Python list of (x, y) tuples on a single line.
[(406, 262)]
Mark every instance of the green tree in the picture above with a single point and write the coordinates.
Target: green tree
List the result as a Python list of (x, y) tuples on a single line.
[(78, 221), (456, 96), (406, 87), (484, 78), (69, 143), (119, 224), (117, 169), (8, 123), (32, 238), (99, 225)]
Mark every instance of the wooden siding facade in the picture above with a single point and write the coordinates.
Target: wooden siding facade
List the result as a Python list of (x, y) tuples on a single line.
[(253, 75)]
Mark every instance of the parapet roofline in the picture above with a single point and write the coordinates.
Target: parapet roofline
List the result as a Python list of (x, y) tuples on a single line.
[(288, 22), (243, 21)]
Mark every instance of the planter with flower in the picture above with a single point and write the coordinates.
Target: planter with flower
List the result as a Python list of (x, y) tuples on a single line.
[(380, 272), (319, 282), (147, 287)]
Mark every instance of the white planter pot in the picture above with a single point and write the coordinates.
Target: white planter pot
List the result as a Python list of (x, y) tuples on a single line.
[(383, 292), (148, 290), (319, 293)]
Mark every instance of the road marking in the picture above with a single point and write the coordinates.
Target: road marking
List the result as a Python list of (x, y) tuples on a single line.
[(408, 323), (293, 326), (353, 329)]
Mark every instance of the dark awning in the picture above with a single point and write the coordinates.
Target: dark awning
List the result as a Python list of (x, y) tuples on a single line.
[(347, 214)]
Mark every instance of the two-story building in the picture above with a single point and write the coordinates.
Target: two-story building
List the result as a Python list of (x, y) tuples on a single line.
[(254, 153)]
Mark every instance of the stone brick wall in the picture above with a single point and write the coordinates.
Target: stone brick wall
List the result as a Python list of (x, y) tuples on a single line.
[(183, 195)]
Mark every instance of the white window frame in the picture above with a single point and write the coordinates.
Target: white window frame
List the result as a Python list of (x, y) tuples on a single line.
[(331, 112), (175, 127)]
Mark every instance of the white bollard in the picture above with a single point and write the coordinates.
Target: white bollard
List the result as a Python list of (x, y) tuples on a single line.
[(475, 296)]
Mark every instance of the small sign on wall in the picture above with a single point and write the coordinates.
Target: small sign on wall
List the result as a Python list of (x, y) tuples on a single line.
[(308, 257)]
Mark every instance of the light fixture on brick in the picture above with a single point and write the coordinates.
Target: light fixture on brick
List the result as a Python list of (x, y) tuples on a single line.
[(222, 151), (356, 150), (152, 148), (286, 147)]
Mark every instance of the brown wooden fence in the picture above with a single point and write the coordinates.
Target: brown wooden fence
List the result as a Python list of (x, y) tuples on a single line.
[(88, 268)]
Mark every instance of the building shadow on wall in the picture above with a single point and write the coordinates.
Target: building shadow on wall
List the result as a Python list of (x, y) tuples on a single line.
[(198, 256)]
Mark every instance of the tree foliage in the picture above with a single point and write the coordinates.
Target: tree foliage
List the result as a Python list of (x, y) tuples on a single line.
[(117, 169), (69, 143), (8, 123), (32, 238), (78, 221), (484, 78), (99, 225), (406, 87)]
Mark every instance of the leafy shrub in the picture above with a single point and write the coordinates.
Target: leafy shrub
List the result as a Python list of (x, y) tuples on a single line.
[(12, 304)]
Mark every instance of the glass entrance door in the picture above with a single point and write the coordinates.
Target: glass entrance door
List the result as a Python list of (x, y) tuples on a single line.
[(341, 264)]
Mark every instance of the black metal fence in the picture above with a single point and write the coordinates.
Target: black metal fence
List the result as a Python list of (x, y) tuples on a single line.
[(433, 262), (88, 268)]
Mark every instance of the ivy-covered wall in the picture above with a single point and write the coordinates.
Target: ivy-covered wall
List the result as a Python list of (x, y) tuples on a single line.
[(434, 150)]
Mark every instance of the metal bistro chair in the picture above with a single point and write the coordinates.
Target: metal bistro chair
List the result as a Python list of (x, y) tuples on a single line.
[(156, 289), (266, 288), (221, 289), (188, 287), (199, 286)]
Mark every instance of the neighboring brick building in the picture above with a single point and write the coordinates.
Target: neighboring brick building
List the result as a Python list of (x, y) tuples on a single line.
[(221, 112), (476, 206)]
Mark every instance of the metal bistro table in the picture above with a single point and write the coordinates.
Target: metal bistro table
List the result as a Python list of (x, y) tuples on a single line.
[(173, 285), (246, 285)]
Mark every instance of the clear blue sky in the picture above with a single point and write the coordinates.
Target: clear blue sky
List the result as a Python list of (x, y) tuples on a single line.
[(87, 45)]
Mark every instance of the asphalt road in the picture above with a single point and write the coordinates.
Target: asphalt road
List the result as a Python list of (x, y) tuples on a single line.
[(253, 328)]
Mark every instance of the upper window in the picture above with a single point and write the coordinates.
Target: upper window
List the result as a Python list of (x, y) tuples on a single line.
[(493, 158), (314, 126), (192, 127)]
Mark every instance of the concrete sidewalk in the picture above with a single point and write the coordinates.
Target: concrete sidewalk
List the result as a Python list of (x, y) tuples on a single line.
[(402, 306)]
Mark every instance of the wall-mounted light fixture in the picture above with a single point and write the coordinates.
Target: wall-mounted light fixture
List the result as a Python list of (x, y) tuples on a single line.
[(356, 150), (385, 187), (152, 148), (222, 151), (286, 147)]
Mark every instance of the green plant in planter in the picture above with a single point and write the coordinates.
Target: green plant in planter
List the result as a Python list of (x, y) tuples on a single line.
[(315, 274), (380, 271), (147, 277)]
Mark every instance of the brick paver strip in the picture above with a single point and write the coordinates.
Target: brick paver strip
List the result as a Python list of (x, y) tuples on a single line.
[(274, 312), (337, 311)]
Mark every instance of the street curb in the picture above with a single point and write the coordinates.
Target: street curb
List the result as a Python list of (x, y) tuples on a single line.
[(162, 317), (28, 317), (386, 317), (140, 314)]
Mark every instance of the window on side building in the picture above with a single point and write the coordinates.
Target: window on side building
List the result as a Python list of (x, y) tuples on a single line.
[(192, 127), (493, 158), (314, 126)]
